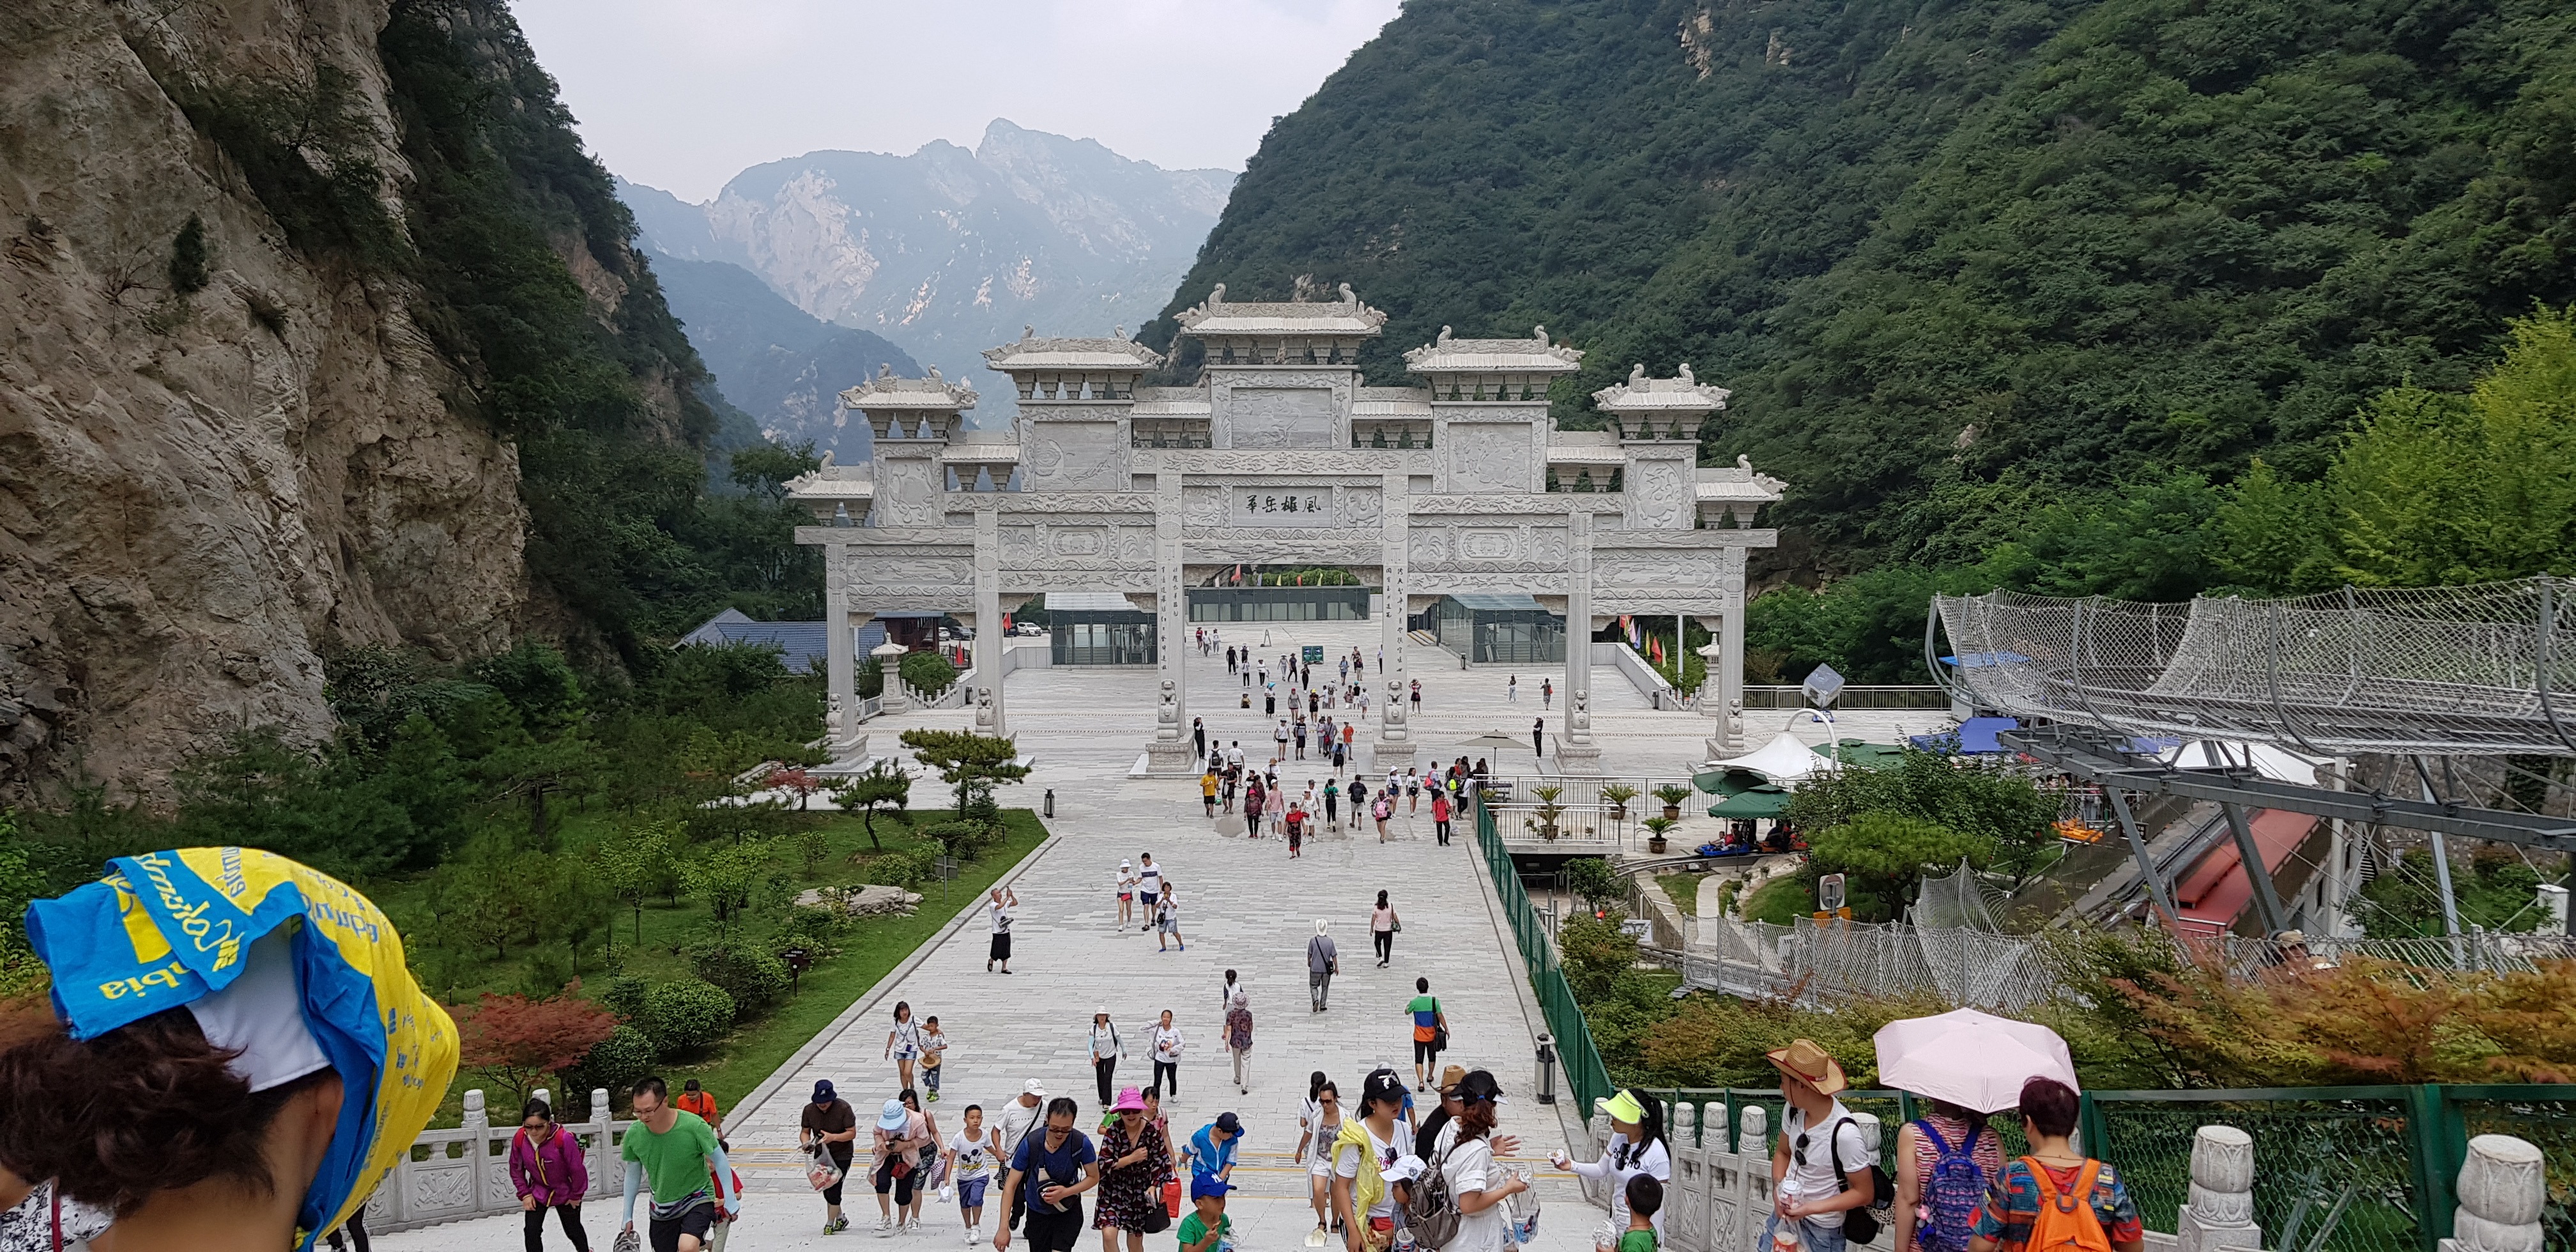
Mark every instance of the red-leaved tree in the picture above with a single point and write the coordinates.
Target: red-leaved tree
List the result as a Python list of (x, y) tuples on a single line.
[(514, 1042), (804, 785)]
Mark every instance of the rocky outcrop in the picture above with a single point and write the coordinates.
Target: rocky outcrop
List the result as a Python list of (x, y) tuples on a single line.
[(203, 492)]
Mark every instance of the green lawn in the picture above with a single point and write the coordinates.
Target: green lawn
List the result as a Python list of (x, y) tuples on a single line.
[(1780, 901), (742, 1059), (1683, 890)]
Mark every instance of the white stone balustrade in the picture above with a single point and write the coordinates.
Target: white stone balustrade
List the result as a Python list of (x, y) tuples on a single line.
[(2219, 1212), (454, 1174), (2501, 1190)]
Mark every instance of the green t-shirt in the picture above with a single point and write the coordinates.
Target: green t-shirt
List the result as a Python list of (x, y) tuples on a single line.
[(674, 1162), (1637, 1241), (1194, 1229)]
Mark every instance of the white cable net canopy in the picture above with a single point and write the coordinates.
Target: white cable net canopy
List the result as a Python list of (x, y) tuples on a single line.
[(2451, 670)]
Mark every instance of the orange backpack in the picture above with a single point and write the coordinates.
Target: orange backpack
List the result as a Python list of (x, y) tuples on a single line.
[(2066, 1220)]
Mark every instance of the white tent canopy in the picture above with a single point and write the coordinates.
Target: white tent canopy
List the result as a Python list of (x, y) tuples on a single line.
[(1784, 760), (2276, 763)]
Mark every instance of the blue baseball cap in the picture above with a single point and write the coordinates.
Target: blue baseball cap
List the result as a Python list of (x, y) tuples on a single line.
[(1205, 1185)]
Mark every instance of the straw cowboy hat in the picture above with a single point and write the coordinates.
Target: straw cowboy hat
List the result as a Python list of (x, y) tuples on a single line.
[(1811, 1064)]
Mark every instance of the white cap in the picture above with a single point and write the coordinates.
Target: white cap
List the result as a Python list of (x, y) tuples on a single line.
[(1034, 1087)]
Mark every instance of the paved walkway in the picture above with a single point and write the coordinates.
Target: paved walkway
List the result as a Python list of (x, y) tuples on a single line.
[(1245, 906)]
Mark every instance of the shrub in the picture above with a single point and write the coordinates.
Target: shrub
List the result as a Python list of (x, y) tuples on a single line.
[(751, 977), (1595, 952), (894, 869), (686, 1016), (929, 672), (817, 930), (1884, 854), (964, 840), (188, 257), (624, 996), (614, 1062)]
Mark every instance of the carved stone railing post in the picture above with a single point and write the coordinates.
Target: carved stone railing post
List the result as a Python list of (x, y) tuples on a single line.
[(2219, 1212), (2501, 1190)]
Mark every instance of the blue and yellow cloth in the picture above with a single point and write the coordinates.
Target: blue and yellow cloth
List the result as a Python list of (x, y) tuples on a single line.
[(166, 929)]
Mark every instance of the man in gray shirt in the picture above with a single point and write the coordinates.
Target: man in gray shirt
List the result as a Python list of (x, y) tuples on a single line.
[(1322, 962)]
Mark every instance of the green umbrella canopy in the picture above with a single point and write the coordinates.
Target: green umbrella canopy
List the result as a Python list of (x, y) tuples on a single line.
[(1728, 782), (1865, 755), (1762, 801)]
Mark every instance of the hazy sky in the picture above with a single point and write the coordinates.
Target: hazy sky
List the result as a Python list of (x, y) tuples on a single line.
[(683, 94)]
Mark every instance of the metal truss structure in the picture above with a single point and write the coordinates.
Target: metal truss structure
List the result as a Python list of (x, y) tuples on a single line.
[(2443, 670)]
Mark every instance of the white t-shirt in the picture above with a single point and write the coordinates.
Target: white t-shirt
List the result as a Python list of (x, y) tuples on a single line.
[(1104, 1041), (1017, 1121), (1618, 1164), (1001, 918), (974, 1157), (1150, 880), (1126, 881), (1470, 1166), (1346, 1162), (907, 1038), (1815, 1180), (1167, 1043)]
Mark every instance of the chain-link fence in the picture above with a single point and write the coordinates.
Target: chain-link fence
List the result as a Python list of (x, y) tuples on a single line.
[(2477, 669)]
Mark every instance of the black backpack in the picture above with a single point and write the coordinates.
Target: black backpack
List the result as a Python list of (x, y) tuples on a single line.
[(1861, 1225)]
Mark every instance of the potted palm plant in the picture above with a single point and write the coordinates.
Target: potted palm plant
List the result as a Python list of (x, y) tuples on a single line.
[(1656, 829), (1617, 796), (1672, 794), (1548, 809)]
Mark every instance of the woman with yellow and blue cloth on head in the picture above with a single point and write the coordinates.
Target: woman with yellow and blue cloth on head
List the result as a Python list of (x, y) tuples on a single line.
[(237, 1053)]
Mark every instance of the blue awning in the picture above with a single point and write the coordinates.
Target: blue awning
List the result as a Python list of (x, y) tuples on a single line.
[(1985, 660)]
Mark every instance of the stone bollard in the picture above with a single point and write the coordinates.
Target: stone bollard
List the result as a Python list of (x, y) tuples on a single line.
[(1748, 1137), (2220, 1210), (2501, 1190), (475, 1117), (1718, 1129)]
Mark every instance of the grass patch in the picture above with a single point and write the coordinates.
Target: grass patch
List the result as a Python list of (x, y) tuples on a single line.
[(1780, 901), (743, 1058), (1683, 889)]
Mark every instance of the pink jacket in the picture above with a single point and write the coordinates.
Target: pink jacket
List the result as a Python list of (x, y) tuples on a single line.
[(555, 1172)]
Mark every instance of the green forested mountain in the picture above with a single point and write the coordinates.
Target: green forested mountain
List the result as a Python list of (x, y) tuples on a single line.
[(1963, 261)]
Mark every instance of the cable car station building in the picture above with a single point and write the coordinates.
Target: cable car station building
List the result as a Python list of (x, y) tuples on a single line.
[(1280, 454)]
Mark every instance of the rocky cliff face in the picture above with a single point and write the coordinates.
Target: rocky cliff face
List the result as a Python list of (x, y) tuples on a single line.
[(220, 461)]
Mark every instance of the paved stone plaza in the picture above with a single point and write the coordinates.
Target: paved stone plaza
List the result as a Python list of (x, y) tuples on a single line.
[(1245, 906)]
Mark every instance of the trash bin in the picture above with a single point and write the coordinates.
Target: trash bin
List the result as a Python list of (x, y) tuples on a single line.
[(1545, 1086), (1050, 802)]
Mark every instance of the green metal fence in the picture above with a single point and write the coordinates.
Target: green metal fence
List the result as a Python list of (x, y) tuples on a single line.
[(1586, 1078), (2401, 1147)]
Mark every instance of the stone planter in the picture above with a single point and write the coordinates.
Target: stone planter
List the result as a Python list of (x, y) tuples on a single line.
[(1657, 843), (1673, 811)]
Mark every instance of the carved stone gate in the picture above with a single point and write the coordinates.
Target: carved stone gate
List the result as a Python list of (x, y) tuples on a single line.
[(1281, 455)]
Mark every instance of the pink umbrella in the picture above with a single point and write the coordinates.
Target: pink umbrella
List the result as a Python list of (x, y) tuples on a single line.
[(1974, 1060)]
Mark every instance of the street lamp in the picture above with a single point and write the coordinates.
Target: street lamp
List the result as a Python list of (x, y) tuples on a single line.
[(1833, 741)]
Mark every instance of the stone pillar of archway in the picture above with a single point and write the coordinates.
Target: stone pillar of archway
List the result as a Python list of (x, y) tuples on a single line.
[(991, 716), (1730, 644), (1576, 752), (1170, 750), (1395, 745)]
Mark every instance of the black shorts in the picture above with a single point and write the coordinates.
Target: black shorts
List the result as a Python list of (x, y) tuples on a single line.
[(664, 1234), (1425, 1051), (1055, 1232), (1001, 948)]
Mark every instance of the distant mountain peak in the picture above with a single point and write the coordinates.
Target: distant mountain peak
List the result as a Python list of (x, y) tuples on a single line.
[(950, 250)]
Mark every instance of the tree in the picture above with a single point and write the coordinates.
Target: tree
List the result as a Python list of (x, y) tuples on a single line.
[(928, 672), (1599, 886), (538, 768), (725, 878), (1884, 854), (796, 782), (514, 1041), (972, 763), (763, 469), (638, 864), (813, 848), (2004, 809), (884, 785)]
